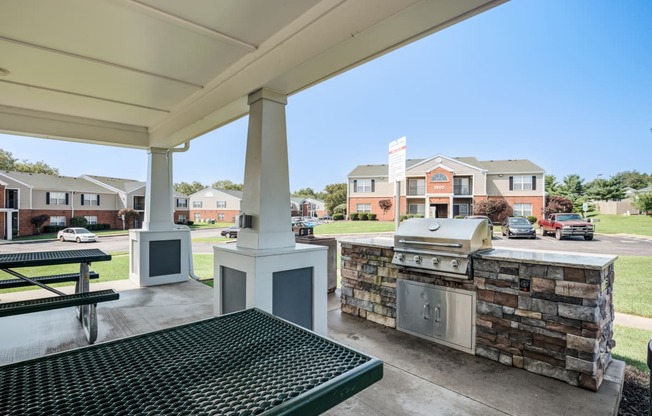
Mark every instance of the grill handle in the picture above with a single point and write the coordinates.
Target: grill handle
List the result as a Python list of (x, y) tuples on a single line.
[(427, 243)]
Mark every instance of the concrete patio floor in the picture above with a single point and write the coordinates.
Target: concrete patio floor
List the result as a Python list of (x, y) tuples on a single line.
[(421, 377)]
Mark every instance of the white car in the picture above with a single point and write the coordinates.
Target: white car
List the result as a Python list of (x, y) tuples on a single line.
[(76, 234)]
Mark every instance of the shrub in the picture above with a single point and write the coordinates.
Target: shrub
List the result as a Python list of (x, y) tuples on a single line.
[(190, 222), (354, 216), (459, 217), (78, 222), (410, 216), (52, 228), (38, 221), (363, 216), (532, 219), (419, 216), (96, 227), (404, 217), (558, 204), (372, 216), (338, 217)]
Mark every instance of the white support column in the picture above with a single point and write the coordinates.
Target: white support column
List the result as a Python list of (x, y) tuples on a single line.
[(266, 194), (158, 195)]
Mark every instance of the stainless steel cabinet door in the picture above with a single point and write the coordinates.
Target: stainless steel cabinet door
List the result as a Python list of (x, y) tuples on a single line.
[(415, 308)]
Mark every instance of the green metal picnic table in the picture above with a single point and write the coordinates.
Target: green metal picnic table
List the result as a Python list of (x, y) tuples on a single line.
[(244, 363)]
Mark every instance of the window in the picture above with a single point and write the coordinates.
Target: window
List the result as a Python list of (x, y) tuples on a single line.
[(439, 177), (417, 209), (56, 198), (522, 183), (522, 210), (182, 219), (182, 203), (197, 217), (363, 208), (90, 199), (416, 186), (220, 216), (364, 185), (461, 186), (461, 209), (58, 221), (91, 219), (196, 204), (221, 204), (139, 203)]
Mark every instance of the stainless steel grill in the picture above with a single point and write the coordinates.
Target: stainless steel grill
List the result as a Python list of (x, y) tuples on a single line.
[(439, 245)]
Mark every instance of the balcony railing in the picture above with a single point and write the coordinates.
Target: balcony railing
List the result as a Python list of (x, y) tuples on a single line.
[(461, 190), (416, 191)]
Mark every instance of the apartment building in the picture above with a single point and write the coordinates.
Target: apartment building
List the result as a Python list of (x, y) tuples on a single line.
[(445, 187), (215, 204)]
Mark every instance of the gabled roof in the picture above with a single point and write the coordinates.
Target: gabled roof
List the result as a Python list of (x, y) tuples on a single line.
[(116, 184), (507, 166), (45, 182), (365, 171), (235, 194), (438, 159)]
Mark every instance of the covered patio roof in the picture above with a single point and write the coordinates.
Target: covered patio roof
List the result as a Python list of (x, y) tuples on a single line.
[(157, 73)]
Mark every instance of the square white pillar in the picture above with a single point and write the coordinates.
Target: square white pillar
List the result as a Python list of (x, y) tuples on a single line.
[(159, 257)]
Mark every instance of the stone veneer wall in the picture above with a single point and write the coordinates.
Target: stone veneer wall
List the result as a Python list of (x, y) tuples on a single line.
[(561, 328)]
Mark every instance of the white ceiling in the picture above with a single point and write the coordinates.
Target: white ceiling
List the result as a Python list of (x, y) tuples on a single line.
[(156, 73)]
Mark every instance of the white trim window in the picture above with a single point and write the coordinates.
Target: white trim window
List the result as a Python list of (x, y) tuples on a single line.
[(91, 219), (362, 207), (522, 210), (364, 185), (461, 209), (522, 183), (182, 203), (416, 186), (59, 221), (196, 204), (90, 199), (56, 198), (220, 216), (197, 217), (439, 177), (182, 219), (221, 204)]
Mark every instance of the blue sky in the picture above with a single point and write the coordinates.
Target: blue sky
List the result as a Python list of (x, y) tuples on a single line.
[(566, 84)]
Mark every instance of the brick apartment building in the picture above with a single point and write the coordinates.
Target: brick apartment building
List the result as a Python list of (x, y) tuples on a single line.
[(444, 187)]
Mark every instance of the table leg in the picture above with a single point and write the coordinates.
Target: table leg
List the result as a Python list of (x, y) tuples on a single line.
[(87, 314)]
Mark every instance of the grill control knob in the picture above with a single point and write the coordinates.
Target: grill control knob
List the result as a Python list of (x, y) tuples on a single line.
[(455, 264), (417, 259), (400, 257), (435, 261)]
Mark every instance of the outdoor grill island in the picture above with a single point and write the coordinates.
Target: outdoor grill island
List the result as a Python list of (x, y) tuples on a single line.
[(545, 312)]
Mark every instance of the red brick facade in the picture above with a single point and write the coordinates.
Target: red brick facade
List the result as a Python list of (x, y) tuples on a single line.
[(205, 214)]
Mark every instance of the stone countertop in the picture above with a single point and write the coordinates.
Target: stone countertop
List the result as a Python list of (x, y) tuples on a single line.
[(381, 242), (590, 261)]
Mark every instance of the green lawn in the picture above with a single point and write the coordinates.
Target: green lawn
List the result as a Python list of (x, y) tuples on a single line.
[(631, 346), (633, 224), (354, 227), (633, 277)]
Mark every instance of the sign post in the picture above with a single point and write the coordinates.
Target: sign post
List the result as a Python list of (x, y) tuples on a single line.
[(397, 173)]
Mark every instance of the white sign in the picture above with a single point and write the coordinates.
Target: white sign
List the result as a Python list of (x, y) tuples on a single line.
[(397, 160)]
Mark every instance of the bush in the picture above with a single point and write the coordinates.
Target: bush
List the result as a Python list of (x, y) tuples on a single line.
[(532, 219), (419, 216), (410, 216), (404, 217), (354, 216), (459, 217), (372, 216), (363, 216), (53, 228), (96, 227), (338, 217), (78, 222)]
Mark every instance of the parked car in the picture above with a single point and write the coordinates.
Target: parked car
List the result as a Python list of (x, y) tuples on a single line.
[(518, 227), (484, 217), (76, 234), (231, 232)]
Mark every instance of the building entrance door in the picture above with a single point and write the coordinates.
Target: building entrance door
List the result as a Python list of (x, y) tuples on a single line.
[(438, 211)]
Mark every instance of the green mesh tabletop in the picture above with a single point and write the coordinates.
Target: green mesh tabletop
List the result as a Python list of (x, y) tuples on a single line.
[(245, 363), (46, 258)]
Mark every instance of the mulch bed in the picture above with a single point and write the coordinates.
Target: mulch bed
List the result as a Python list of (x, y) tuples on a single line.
[(636, 393)]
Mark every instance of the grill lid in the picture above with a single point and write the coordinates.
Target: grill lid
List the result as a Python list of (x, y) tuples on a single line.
[(460, 236)]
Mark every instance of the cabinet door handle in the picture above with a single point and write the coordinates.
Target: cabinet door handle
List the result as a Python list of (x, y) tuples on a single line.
[(426, 311), (437, 314)]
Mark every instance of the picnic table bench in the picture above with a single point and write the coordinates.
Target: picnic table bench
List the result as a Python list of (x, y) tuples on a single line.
[(85, 300), (244, 363)]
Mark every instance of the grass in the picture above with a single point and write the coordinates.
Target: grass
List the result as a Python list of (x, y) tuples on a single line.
[(631, 346), (633, 224), (354, 227), (633, 277)]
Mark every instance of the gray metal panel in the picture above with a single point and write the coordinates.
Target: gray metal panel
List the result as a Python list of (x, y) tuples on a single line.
[(164, 257), (234, 290), (292, 296), (415, 308)]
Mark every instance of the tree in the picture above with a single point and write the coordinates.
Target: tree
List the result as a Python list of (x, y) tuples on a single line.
[(128, 215), (496, 209), (572, 187), (7, 161), (308, 193), (611, 189), (38, 221), (227, 185), (79, 222), (558, 204), (385, 205), (644, 202), (634, 179), (187, 189), (551, 184), (335, 195)]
